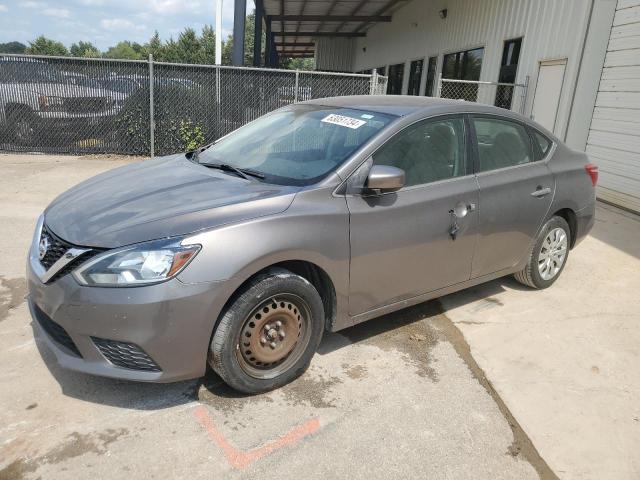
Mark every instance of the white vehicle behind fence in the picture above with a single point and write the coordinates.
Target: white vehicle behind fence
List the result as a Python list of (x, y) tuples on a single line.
[(37, 99)]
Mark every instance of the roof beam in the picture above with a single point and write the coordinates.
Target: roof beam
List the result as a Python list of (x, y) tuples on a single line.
[(320, 34), (389, 5), (331, 18), (295, 44)]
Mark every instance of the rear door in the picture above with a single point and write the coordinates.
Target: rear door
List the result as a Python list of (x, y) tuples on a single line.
[(401, 244), (516, 189)]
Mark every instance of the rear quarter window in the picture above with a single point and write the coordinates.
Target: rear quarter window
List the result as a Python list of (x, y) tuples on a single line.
[(543, 142)]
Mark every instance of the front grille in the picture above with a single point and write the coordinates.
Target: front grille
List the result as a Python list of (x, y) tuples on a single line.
[(86, 104), (56, 249), (125, 355), (56, 332)]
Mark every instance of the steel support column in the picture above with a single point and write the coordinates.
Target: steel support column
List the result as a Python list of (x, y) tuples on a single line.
[(239, 18), (257, 42)]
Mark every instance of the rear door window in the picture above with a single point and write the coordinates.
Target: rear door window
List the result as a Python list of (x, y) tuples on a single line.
[(501, 143)]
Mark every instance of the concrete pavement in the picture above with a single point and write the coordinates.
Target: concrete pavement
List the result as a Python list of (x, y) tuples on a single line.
[(566, 359)]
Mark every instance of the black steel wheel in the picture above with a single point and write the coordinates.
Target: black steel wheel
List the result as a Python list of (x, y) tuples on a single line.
[(267, 336)]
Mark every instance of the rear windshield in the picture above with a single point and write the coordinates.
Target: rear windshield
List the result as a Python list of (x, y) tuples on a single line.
[(298, 145)]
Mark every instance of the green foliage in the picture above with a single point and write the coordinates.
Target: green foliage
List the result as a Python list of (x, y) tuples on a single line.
[(190, 47), (299, 63), (127, 50), (192, 135), (249, 41), (185, 119), (85, 49), (12, 47), (46, 46)]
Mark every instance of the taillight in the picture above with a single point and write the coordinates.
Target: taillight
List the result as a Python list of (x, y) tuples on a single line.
[(592, 171)]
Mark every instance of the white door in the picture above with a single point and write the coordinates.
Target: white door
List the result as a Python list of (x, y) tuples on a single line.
[(614, 137), (548, 90)]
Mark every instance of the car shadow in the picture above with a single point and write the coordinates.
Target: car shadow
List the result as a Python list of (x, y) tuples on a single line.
[(157, 396), (384, 324)]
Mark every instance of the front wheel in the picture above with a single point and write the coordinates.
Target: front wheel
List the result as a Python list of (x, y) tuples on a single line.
[(268, 335), (548, 256)]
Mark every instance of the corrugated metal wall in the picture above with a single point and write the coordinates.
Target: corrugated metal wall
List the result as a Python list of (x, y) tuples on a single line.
[(614, 136), (334, 54), (552, 29)]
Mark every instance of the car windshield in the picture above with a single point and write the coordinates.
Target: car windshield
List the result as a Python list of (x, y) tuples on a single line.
[(29, 72), (298, 145)]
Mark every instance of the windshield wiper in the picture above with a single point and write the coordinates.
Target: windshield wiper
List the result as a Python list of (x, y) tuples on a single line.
[(241, 172), (246, 173)]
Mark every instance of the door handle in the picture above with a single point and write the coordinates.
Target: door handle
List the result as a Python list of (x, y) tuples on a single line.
[(460, 211), (541, 192)]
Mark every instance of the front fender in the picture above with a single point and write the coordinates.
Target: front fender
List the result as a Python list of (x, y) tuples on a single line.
[(314, 229)]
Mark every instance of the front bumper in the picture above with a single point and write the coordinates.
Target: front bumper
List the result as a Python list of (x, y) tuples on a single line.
[(168, 325), (54, 123)]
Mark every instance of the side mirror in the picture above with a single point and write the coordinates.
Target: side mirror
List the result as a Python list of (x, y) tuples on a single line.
[(383, 178)]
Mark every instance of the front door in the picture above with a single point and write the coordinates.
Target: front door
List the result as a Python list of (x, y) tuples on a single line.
[(402, 243), (515, 194)]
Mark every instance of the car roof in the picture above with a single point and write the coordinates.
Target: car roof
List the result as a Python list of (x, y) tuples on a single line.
[(402, 105)]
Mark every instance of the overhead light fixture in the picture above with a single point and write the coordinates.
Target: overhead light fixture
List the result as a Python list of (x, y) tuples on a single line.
[(443, 13)]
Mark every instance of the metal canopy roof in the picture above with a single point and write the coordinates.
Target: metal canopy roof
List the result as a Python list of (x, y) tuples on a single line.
[(295, 24)]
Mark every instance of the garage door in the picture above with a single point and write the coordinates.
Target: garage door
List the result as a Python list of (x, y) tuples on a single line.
[(614, 137)]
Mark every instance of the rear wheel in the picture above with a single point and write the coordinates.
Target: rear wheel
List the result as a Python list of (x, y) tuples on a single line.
[(268, 335), (548, 256)]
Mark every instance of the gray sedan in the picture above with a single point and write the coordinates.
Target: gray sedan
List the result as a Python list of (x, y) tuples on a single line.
[(316, 217)]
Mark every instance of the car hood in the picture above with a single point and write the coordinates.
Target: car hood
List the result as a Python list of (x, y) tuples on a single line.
[(67, 90), (159, 198)]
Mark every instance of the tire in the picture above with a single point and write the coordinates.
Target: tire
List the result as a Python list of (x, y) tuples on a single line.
[(22, 125), (534, 274), (276, 308)]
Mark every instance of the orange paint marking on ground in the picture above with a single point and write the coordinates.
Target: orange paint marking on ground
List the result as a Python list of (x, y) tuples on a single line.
[(240, 459)]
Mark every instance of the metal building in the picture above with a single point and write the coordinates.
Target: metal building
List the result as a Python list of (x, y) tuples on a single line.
[(580, 60)]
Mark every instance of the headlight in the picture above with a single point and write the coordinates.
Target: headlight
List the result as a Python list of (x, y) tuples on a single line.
[(142, 264)]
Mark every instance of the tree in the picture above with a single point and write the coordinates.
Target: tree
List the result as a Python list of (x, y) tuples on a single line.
[(126, 50), (249, 41), (84, 49), (46, 46), (187, 48), (154, 47), (207, 45), (299, 63), (12, 47)]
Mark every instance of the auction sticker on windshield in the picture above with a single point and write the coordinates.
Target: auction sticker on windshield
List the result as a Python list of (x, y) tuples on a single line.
[(343, 121)]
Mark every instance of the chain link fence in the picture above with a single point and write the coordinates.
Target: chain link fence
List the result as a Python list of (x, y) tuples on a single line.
[(512, 96), (79, 106)]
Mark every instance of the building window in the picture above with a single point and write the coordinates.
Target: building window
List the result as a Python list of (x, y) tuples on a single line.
[(382, 70), (508, 70), (431, 76), (462, 66), (415, 75), (394, 83)]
